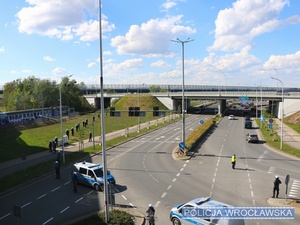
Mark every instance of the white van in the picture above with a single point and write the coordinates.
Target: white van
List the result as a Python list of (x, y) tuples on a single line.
[(177, 218)]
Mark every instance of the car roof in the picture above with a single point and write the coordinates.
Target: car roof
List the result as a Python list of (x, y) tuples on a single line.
[(206, 202), (89, 165)]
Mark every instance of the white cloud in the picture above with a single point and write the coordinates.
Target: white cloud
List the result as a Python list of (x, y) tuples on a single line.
[(59, 71), (48, 58), (25, 71), (61, 20), (161, 64), (107, 53), (2, 49), (151, 38), (168, 4), (92, 64), (237, 26), (127, 66), (289, 63)]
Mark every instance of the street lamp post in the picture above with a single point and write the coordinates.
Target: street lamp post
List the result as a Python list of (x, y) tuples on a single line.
[(282, 112), (61, 122), (105, 183), (182, 104)]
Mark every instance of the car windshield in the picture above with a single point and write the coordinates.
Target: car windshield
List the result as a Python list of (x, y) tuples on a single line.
[(99, 172)]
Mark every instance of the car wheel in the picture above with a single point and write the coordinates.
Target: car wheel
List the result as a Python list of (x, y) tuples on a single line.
[(176, 221), (97, 187)]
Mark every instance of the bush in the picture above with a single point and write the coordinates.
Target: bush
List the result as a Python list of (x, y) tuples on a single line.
[(193, 139)]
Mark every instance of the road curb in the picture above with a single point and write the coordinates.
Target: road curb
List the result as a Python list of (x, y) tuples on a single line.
[(284, 203)]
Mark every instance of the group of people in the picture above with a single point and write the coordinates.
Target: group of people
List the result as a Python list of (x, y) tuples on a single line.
[(276, 182), (53, 144)]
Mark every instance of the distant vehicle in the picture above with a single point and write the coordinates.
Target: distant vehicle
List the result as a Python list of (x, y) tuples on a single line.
[(231, 117), (248, 124), (177, 218), (252, 138), (91, 174), (247, 118), (284, 92)]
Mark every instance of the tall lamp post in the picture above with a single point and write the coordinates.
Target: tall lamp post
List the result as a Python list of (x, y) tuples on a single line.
[(106, 209), (61, 123), (282, 112), (177, 40)]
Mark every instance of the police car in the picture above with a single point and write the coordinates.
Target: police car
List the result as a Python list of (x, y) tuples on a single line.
[(91, 174), (177, 218)]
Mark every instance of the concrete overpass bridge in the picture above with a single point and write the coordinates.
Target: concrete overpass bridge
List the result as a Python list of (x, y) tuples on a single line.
[(173, 100)]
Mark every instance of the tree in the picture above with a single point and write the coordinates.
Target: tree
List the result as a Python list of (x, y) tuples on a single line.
[(33, 92), (154, 88)]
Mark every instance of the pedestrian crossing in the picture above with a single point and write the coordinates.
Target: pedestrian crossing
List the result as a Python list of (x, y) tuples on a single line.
[(295, 189)]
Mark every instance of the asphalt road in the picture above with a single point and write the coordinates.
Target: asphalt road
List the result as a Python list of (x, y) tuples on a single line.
[(146, 173)]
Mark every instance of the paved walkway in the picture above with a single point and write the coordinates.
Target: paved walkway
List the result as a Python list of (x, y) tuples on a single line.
[(290, 137)]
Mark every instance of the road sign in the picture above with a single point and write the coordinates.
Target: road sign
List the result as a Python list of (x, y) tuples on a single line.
[(181, 151), (270, 125), (243, 99), (262, 118), (287, 179), (271, 120), (181, 145), (201, 121)]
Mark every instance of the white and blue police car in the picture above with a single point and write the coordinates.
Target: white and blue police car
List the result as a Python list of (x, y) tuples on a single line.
[(177, 217), (91, 174)]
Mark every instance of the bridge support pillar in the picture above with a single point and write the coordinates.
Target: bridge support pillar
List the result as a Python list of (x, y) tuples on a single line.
[(221, 107)]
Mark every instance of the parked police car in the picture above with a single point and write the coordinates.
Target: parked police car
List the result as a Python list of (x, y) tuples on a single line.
[(91, 174), (177, 218)]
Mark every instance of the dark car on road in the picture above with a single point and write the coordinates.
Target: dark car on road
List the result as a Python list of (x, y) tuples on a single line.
[(252, 138)]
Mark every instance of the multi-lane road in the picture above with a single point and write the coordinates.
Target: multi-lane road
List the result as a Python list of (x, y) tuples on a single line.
[(147, 173)]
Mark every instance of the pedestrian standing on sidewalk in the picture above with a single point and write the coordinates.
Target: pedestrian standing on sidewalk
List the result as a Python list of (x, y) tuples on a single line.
[(277, 182), (50, 146), (90, 137)]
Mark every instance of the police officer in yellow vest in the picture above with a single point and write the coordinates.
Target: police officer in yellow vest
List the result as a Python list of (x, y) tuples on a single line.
[(233, 161)]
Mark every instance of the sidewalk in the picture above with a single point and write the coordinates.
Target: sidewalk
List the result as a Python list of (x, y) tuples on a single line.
[(290, 137), (20, 164)]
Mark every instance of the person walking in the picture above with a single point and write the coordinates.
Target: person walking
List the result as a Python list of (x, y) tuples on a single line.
[(90, 137), (50, 146), (57, 169), (74, 181), (277, 182), (150, 214), (233, 161)]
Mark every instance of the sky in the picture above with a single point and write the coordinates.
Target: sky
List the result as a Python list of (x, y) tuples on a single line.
[(226, 42)]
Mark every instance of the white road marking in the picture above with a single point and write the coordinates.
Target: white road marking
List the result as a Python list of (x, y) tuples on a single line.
[(48, 221), (124, 197), (164, 194), (41, 196), (174, 179), (5, 216), (156, 204), (133, 206), (55, 189), (64, 209), (79, 200), (170, 186), (178, 174), (26, 204)]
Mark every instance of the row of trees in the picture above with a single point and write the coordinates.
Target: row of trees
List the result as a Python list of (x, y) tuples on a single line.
[(32, 92)]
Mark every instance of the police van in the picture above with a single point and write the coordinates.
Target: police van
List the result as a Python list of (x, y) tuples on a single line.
[(177, 218), (91, 174)]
